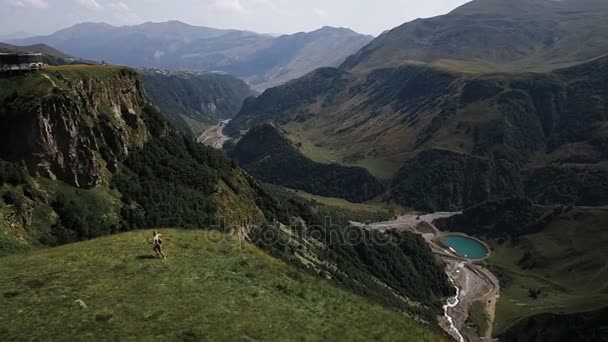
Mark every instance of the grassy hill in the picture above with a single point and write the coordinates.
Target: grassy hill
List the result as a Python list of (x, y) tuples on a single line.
[(211, 287), (551, 263), (491, 35), (107, 162), (267, 154), (540, 135), (565, 262)]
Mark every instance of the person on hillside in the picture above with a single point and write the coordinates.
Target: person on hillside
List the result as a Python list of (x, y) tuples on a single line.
[(158, 245)]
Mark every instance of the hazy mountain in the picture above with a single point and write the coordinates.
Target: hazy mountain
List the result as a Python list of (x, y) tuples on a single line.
[(192, 101), (484, 34), (15, 35), (262, 60)]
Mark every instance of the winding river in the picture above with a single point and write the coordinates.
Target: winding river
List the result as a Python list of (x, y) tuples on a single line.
[(452, 302)]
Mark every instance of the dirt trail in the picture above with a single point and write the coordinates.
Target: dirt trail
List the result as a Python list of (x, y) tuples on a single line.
[(50, 79), (475, 282)]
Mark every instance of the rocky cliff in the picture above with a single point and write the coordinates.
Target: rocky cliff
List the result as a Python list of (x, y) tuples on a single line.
[(70, 123)]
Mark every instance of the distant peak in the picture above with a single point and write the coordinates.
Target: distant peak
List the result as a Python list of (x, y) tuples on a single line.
[(335, 29), (88, 26)]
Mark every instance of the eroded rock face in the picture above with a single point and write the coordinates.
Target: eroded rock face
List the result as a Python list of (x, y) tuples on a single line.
[(78, 128)]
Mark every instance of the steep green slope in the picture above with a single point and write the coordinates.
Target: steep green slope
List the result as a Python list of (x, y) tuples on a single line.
[(532, 134), (192, 102), (212, 287), (549, 260), (95, 158), (268, 155), (494, 35), (508, 218), (587, 326), (93, 128)]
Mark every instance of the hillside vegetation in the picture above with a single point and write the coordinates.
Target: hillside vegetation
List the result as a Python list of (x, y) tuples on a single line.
[(490, 35), (191, 101), (95, 158), (539, 135), (551, 261), (212, 287), (268, 155)]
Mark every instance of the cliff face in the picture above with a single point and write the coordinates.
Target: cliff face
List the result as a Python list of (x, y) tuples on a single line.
[(70, 124)]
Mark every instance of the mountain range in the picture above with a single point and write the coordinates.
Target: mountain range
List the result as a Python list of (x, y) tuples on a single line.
[(498, 109), (496, 112), (447, 138), (491, 35), (261, 60)]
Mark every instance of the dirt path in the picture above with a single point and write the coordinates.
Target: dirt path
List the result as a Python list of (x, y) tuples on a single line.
[(475, 282), (50, 79), (214, 136)]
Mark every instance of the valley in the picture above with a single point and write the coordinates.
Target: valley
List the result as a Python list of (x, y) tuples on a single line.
[(446, 180), (214, 135), (474, 282)]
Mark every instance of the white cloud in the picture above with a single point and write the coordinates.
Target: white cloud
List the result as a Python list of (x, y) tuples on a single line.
[(320, 12), (118, 7), (89, 4), (30, 3), (230, 6)]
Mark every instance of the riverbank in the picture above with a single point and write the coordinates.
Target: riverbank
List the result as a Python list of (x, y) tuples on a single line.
[(474, 282)]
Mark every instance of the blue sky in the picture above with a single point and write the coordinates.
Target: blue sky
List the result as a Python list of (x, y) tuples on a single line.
[(265, 16)]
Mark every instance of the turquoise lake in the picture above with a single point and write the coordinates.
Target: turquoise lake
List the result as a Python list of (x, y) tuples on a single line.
[(466, 247)]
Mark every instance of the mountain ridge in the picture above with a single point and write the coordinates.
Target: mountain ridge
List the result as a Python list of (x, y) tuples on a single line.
[(261, 60), (542, 127), (494, 35)]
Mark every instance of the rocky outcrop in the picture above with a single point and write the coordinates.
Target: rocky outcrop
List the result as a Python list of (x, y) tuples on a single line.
[(71, 124)]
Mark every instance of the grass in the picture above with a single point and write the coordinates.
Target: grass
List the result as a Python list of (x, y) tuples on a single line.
[(477, 317), (571, 271), (211, 287), (344, 204), (383, 169), (37, 84)]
